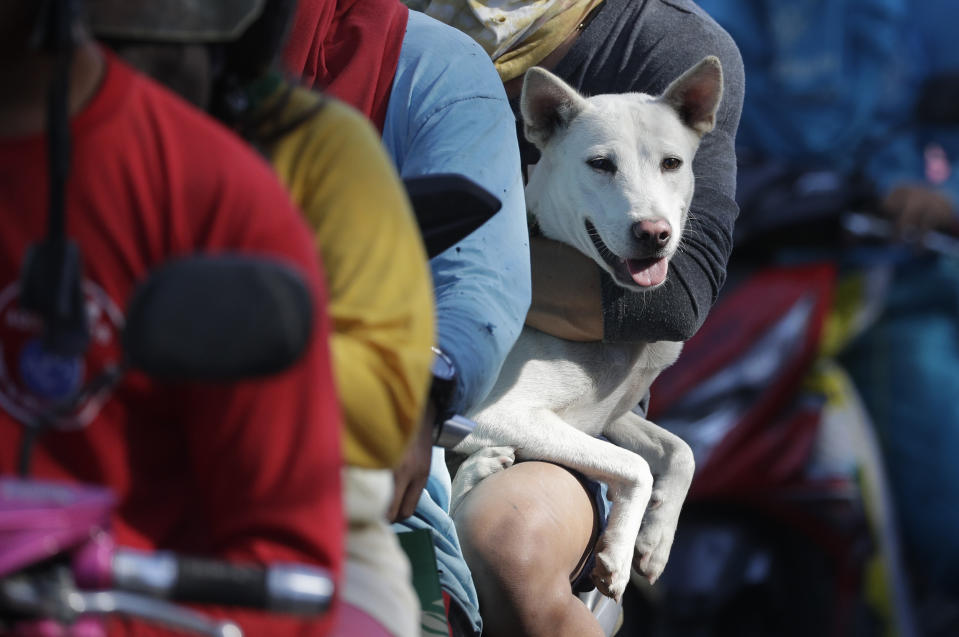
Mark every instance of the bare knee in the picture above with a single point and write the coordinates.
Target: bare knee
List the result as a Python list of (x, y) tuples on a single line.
[(522, 549), (504, 542), (522, 587)]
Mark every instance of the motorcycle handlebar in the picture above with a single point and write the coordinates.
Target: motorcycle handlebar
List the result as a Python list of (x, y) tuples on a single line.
[(869, 226), (282, 588)]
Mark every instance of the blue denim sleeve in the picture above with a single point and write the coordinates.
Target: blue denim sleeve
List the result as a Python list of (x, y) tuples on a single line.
[(448, 113)]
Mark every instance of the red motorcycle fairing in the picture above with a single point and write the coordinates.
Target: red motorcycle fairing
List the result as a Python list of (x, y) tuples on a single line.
[(734, 393)]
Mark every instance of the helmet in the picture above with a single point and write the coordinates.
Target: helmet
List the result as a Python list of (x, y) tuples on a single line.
[(181, 21)]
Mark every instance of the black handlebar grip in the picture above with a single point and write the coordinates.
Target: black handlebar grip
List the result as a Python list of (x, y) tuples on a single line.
[(282, 588), (210, 582)]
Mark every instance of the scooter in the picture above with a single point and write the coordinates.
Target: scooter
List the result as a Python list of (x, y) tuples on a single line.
[(59, 565), (789, 527)]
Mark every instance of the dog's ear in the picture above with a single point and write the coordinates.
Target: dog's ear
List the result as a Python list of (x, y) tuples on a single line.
[(696, 94), (548, 104)]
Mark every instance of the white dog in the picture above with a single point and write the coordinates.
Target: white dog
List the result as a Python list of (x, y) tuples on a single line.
[(615, 182)]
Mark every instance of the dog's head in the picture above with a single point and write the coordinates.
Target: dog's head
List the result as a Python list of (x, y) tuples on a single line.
[(615, 179)]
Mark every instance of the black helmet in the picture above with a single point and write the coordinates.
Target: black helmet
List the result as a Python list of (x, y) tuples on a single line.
[(180, 21)]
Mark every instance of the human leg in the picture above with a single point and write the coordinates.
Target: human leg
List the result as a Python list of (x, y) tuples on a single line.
[(432, 513), (907, 370), (625, 474), (524, 533), (377, 573)]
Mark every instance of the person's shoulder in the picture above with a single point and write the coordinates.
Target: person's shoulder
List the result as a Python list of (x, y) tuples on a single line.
[(332, 118), (427, 37), (681, 34), (204, 163), (702, 35), (693, 34), (331, 132), (436, 52), (181, 129)]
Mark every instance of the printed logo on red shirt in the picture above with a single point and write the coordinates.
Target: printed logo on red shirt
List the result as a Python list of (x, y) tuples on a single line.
[(33, 380)]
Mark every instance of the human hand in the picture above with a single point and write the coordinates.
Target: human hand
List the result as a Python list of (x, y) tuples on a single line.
[(917, 209), (409, 476)]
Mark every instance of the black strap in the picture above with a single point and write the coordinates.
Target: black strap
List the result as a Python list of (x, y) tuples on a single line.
[(58, 117), (265, 135), (51, 281)]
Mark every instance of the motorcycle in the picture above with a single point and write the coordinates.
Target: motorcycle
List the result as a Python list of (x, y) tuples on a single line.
[(59, 565), (789, 527)]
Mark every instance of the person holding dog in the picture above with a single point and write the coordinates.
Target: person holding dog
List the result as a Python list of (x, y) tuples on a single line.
[(605, 46)]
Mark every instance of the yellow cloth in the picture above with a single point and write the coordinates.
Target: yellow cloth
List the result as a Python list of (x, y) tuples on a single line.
[(379, 286), (517, 34)]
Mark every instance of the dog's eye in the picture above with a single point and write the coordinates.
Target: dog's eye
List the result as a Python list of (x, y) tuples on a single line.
[(602, 164), (671, 163)]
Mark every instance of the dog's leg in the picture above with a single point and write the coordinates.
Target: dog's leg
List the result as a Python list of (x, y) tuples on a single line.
[(477, 467), (671, 462), (542, 435)]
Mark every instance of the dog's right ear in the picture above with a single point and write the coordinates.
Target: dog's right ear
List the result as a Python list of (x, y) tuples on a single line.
[(548, 104)]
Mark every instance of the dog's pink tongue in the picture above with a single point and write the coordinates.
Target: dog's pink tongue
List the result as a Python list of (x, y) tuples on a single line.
[(646, 272)]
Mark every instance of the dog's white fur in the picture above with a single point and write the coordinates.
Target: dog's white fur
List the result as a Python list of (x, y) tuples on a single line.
[(554, 397)]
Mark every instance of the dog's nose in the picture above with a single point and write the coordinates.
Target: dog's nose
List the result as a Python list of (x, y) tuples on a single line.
[(652, 234)]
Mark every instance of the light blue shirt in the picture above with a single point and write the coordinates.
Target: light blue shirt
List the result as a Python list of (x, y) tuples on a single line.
[(448, 113)]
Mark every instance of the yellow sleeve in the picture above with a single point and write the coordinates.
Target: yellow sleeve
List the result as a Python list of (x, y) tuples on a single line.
[(381, 296)]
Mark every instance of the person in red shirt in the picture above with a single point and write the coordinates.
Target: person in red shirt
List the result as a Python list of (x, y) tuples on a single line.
[(246, 471)]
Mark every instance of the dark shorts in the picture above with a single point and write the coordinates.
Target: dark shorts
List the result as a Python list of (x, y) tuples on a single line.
[(582, 583)]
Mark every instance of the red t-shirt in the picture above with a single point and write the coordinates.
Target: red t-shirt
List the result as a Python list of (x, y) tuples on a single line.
[(248, 471)]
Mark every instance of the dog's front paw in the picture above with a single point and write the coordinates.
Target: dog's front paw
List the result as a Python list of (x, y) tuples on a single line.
[(611, 572), (478, 467), (654, 541)]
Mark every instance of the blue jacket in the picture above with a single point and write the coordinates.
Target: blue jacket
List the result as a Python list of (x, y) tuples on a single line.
[(833, 83), (934, 30)]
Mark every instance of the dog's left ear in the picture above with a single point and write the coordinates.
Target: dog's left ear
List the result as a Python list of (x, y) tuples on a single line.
[(696, 94), (548, 104)]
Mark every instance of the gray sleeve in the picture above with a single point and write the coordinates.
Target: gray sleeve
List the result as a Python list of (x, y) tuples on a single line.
[(643, 46)]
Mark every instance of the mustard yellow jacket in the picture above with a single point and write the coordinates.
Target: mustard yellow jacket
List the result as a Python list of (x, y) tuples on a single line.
[(378, 279)]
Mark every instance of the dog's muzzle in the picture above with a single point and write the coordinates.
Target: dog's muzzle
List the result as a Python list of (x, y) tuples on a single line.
[(643, 273)]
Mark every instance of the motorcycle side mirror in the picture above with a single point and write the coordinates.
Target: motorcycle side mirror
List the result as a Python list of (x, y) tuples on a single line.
[(218, 318), (448, 207)]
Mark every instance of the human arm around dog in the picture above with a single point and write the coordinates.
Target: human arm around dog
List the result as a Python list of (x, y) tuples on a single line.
[(558, 268), (641, 46)]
